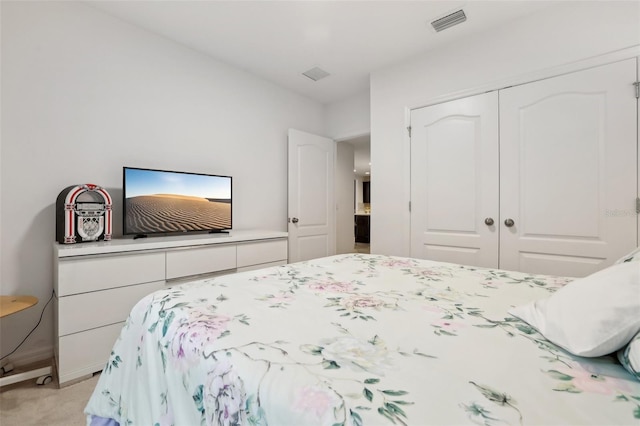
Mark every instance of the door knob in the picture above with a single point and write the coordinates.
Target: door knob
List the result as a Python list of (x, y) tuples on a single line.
[(294, 220), (509, 223), (488, 221)]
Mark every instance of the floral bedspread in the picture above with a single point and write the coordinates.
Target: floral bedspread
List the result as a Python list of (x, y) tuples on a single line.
[(354, 340)]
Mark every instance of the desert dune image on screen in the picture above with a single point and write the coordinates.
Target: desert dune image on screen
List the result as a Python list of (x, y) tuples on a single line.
[(161, 201)]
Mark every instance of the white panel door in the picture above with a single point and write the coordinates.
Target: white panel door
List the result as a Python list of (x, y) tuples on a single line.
[(568, 171), (311, 196), (454, 181)]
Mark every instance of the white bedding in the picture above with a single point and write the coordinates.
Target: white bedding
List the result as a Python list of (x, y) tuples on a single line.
[(354, 339)]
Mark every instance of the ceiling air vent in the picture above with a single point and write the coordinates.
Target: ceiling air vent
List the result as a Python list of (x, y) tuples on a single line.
[(316, 74), (445, 22)]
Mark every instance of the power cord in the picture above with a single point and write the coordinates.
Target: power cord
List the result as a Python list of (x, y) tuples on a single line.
[(34, 328)]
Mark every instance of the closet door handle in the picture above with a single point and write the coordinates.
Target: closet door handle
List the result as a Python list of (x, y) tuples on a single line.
[(509, 223), (488, 221), (294, 220)]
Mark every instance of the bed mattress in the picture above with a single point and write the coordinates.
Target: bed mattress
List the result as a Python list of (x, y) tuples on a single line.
[(354, 340)]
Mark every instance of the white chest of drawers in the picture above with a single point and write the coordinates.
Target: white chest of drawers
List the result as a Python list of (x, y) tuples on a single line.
[(97, 284)]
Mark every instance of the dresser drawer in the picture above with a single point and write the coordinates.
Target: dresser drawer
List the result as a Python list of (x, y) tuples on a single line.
[(196, 261), (85, 353), (261, 266), (78, 312), (256, 253), (83, 275)]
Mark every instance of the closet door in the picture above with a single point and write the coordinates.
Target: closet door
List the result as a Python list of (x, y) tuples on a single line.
[(454, 181), (568, 171)]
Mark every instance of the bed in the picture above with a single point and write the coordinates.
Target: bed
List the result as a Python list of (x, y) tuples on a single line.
[(354, 340)]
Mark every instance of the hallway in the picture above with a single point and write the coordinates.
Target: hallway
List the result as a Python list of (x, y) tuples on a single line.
[(361, 248)]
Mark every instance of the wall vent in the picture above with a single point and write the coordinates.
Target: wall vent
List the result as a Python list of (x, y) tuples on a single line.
[(450, 20), (316, 74)]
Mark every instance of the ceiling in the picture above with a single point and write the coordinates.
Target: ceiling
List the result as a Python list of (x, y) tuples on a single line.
[(279, 40)]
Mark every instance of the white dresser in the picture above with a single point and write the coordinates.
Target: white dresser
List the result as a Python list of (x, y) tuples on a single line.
[(97, 284)]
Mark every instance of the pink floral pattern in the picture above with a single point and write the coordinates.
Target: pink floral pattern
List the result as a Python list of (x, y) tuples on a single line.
[(398, 263), (332, 286), (354, 340), (357, 354), (192, 335), (575, 379), (356, 302), (224, 396), (317, 400), (447, 326), (430, 274), (280, 300)]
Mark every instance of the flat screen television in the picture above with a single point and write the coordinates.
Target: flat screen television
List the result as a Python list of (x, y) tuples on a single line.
[(165, 202)]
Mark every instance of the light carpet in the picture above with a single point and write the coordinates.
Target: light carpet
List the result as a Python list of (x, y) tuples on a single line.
[(26, 403)]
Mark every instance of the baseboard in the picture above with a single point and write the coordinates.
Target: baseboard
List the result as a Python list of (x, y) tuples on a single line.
[(31, 356)]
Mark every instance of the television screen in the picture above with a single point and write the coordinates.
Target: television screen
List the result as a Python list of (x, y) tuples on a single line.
[(162, 201)]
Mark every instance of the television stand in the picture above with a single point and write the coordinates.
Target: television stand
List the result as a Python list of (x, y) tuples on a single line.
[(96, 284)]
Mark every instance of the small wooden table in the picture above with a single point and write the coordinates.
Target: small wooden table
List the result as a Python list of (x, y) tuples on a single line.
[(10, 305)]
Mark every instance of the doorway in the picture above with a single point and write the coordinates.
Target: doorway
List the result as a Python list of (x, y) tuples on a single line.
[(355, 154)]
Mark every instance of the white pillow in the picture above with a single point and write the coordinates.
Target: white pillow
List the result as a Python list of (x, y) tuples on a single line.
[(590, 316)]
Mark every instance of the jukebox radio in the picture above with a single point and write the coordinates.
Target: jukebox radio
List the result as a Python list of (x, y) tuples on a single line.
[(83, 213)]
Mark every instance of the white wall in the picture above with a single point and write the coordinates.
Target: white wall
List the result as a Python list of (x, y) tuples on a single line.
[(359, 194), (346, 119), (565, 33), (1, 239), (84, 94), (349, 117), (344, 179)]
